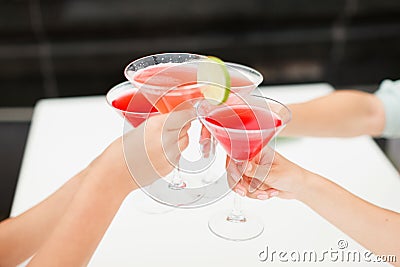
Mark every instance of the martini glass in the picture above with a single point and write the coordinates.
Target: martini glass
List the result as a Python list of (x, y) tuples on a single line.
[(169, 82), (127, 101), (243, 128), (244, 80)]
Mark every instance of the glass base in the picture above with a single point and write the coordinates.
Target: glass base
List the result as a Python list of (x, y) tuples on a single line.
[(147, 205), (167, 194), (177, 186), (235, 228)]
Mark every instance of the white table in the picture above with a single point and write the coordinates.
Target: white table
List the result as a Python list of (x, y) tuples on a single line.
[(66, 134)]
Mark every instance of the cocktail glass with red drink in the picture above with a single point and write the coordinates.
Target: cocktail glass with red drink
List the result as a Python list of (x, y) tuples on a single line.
[(130, 103), (169, 81), (243, 128)]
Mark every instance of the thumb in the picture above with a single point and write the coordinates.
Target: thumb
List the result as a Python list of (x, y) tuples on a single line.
[(177, 119)]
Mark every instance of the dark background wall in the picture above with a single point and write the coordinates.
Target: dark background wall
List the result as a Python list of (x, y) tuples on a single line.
[(12, 143), (80, 47)]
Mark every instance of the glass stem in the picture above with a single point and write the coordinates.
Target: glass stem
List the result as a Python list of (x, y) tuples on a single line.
[(208, 179), (177, 181), (236, 214)]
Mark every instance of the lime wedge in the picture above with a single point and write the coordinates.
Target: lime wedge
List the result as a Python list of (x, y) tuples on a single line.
[(213, 73)]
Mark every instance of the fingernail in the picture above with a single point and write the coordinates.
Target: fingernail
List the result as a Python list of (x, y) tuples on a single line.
[(239, 192), (262, 196), (274, 194), (235, 176), (205, 141)]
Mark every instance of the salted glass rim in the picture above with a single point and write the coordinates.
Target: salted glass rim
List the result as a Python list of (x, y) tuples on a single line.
[(251, 73)]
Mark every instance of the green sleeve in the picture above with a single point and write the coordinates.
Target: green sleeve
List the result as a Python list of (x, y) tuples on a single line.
[(389, 94)]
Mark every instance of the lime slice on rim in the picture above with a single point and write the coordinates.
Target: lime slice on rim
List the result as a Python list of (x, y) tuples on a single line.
[(217, 81)]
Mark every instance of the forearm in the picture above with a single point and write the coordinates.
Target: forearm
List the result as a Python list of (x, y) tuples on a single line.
[(20, 237), (87, 218), (375, 228), (340, 114)]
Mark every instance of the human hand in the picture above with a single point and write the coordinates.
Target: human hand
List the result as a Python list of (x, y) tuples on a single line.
[(147, 152), (206, 141), (267, 175)]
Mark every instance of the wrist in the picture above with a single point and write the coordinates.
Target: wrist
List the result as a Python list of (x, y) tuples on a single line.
[(309, 184), (119, 180)]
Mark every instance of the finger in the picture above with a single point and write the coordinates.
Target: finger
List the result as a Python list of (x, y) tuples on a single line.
[(240, 188), (232, 170), (255, 192), (173, 129), (264, 194), (255, 183), (206, 147), (183, 143), (174, 149), (231, 181), (227, 161), (205, 141), (272, 192), (257, 171), (258, 194), (267, 156), (205, 133), (177, 119), (184, 130)]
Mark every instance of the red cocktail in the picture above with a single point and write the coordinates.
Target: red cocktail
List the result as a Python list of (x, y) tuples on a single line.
[(169, 81), (130, 103), (243, 128), (259, 125)]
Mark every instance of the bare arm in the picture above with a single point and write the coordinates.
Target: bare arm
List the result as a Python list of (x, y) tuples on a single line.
[(65, 229), (377, 229), (339, 114), (20, 237), (85, 221), (373, 227), (108, 180), (71, 221)]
